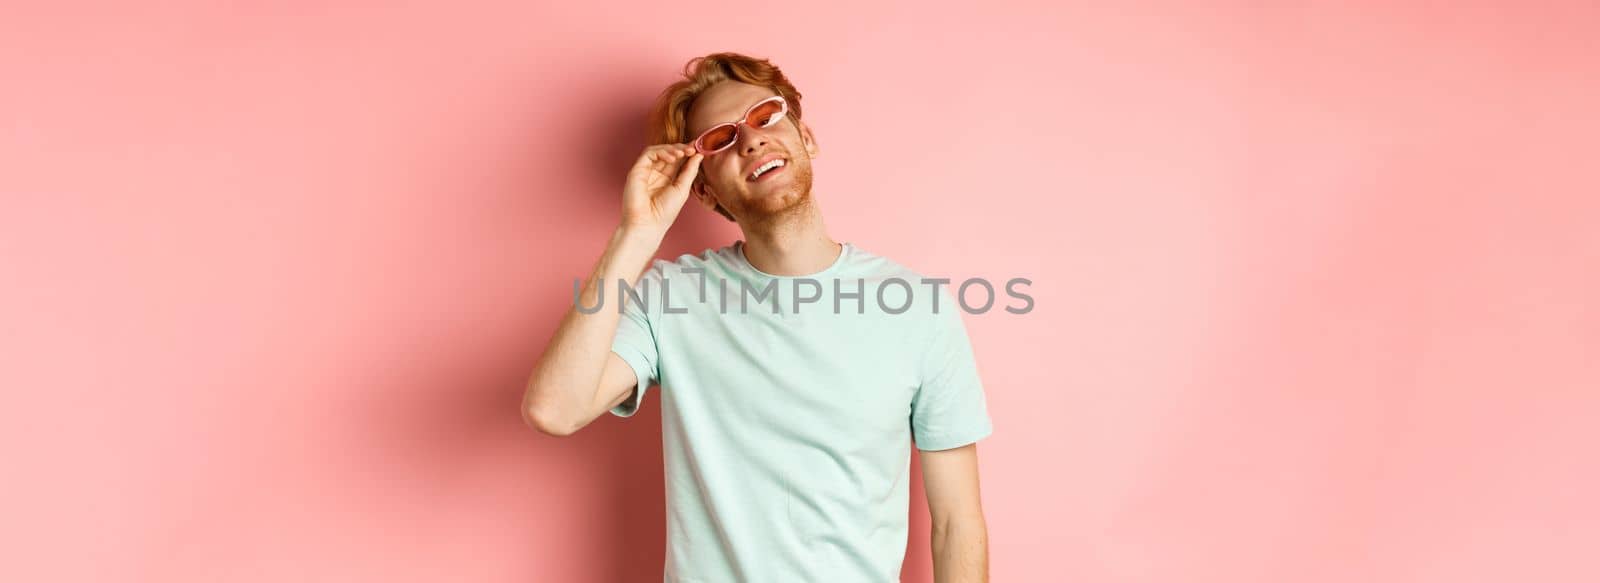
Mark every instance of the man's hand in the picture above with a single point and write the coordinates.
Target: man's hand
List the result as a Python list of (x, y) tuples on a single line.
[(658, 185), (578, 377)]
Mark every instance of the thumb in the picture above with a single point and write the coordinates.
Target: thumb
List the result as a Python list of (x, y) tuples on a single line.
[(691, 169)]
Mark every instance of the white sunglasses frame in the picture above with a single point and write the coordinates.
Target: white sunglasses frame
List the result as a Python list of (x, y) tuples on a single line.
[(743, 121)]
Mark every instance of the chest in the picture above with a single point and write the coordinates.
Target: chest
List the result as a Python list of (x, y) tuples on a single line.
[(809, 372)]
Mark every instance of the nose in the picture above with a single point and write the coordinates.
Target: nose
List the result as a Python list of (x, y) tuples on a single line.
[(751, 140)]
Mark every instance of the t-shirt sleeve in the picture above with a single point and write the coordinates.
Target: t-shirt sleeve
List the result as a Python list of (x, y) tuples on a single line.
[(635, 341), (949, 409)]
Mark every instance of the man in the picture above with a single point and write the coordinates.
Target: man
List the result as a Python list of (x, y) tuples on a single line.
[(787, 425)]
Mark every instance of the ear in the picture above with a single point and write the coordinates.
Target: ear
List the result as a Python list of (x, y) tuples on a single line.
[(703, 194), (810, 140)]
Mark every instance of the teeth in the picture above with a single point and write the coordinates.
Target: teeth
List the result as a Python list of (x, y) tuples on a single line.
[(765, 167)]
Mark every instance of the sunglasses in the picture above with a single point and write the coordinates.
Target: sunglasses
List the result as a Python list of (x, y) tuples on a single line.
[(763, 114)]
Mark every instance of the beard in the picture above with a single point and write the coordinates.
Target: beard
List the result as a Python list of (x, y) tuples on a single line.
[(783, 200)]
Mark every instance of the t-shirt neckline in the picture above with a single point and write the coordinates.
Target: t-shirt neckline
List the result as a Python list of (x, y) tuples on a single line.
[(844, 251)]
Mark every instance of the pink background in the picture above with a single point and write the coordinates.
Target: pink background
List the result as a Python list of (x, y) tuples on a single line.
[(1315, 285)]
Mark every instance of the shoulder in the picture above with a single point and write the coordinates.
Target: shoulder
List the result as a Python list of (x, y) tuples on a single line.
[(915, 294), (691, 263), (872, 266)]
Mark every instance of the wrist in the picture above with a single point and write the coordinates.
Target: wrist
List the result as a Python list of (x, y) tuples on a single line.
[(647, 235)]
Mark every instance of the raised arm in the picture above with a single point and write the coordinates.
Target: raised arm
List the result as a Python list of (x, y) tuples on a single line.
[(578, 378)]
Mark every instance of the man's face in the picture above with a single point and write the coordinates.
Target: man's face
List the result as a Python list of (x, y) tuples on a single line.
[(725, 176)]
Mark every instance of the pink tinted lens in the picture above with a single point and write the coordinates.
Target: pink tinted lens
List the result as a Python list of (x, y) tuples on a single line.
[(717, 138), (765, 113)]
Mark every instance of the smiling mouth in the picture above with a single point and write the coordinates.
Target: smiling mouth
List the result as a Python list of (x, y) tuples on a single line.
[(767, 170)]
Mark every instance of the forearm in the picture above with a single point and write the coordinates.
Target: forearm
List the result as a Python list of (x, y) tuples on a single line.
[(563, 384), (961, 551)]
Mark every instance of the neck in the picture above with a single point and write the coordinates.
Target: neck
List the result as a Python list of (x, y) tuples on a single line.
[(794, 244)]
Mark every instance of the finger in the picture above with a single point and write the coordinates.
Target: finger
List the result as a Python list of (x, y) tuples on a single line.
[(660, 150), (691, 168), (657, 158), (674, 156), (648, 158)]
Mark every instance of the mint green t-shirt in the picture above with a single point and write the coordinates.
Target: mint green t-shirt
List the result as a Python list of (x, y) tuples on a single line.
[(787, 436)]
